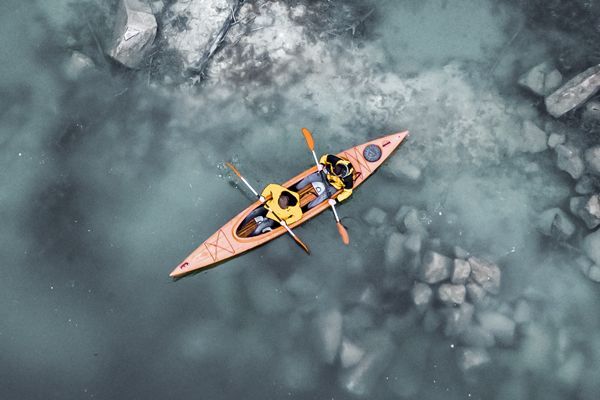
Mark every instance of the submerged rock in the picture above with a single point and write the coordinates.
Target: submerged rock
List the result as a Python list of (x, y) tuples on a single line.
[(77, 64), (476, 336), (594, 273), (413, 222), (461, 271), (522, 312), (592, 159), (458, 319), (555, 139), (574, 93), (451, 294), (534, 139), (591, 246), (554, 222), (568, 159), (135, 31), (569, 373), (413, 243), (401, 168), (587, 208), (328, 325), (541, 79), (502, 327), (435, 267), (350, 353), (375, 216), (421, 295), (394, 249), (362, 378), (475, 293), (587, 184), (471, 358), (486, 274)]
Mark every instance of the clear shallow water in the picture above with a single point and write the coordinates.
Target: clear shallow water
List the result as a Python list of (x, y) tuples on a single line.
[(109, 179)]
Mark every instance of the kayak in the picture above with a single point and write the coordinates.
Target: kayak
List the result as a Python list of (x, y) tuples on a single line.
[(233, 238)]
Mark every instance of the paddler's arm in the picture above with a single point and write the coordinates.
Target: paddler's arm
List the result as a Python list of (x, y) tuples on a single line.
[(344, 195), (267, 193)]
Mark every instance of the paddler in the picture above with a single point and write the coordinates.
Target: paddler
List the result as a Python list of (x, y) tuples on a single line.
[(283, 204), (339, 175), (280, 204)]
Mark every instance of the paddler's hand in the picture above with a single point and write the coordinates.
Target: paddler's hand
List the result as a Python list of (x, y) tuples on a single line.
[(262, 199), (319, 167)]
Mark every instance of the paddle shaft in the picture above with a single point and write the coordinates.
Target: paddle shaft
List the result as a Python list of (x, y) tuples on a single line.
[(332, 204)]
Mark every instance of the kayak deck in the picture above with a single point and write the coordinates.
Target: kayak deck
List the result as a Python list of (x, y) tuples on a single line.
[(232, 240)]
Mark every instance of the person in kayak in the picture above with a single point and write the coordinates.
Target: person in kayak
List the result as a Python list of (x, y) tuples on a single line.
[(339, 174), (280, 204)]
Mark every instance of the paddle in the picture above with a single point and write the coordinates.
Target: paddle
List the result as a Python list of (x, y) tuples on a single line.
[(341, 229), (311, 145), (262, 199)]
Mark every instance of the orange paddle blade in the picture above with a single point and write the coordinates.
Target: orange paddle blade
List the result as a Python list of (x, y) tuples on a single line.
[(234, 169), (343, 233), (309, 139), (302, 244)]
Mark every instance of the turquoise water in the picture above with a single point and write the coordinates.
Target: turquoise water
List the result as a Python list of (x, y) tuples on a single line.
[(109, 177)]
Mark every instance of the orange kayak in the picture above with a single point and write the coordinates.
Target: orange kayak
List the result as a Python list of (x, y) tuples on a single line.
[(232, 239)]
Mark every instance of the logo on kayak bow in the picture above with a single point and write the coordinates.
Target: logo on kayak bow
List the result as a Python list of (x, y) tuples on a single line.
[(372, 153)]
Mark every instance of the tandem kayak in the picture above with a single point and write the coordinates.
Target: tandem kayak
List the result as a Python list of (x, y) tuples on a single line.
[(232, 239)]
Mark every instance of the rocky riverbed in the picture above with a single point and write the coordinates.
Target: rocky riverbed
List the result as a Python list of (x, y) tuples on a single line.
[(474, 264)]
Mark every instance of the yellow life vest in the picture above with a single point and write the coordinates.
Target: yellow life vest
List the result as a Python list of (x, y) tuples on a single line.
[(290, 214), (343, 183)]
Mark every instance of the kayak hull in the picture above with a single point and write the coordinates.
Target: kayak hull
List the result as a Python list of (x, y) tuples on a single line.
[(226, 243)]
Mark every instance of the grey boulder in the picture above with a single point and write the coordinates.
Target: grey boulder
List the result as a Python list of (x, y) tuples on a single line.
[(555, 223), (472, 358), (435, 267), (592, 159), (541, 79), (475, 293), (451, 294), (502, 327), (568, 159), (458, 319), (588, 184), (534, 139), (375, 216), (555, 139), (135, 31), (574, 93), (486, 274), (461, 271), (587, 208), (421, 295)]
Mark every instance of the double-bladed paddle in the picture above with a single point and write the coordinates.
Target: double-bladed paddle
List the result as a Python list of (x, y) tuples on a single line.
[(341, 228)]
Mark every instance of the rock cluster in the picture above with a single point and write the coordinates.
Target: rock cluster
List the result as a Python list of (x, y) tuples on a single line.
[(578, 157)]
